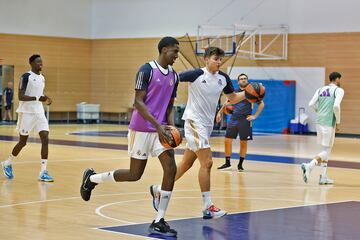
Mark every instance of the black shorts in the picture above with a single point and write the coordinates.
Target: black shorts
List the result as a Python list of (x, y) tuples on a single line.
[(242, 127), (8, 107)]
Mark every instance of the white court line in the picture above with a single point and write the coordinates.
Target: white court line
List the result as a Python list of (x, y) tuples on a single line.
[(70, 160), (98, 209), (181, 190), (100, 195)]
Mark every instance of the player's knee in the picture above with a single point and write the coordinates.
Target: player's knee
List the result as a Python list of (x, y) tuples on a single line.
[(209, 164)]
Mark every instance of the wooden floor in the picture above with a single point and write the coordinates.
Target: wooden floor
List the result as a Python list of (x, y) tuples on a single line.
[(33, 210)]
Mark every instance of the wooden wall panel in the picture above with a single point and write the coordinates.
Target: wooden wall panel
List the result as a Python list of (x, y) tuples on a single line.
[(103, 71), (66, 66), (336, 52), (114, 66)]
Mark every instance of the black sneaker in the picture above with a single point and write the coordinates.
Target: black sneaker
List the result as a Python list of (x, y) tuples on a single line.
[(162, 228), (225, 166), (87, 186), (240, 168)]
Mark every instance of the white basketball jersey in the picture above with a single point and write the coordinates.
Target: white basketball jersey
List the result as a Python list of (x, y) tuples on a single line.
[(34, 85), (204, 91)]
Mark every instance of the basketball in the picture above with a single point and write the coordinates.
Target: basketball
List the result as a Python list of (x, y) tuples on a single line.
[(175, 139), (228, 108), (254, 92)]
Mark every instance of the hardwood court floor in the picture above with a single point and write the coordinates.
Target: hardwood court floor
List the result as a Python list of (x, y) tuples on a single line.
[(33, 210)]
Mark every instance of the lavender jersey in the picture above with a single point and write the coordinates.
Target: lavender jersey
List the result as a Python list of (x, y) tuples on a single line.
[(160, 86)]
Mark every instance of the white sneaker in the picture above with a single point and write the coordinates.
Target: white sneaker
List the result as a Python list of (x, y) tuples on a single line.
[(213, 212), (324, 180), (306, 171), (155, 195)]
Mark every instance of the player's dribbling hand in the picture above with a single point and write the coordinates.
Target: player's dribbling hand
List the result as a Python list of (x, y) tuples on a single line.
[(250, 118), (43, 98), (48, 101), (162, 131), (218, 118), (337, 127)]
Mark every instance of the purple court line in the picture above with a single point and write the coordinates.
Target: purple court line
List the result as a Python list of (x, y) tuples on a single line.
[(313, 222), (253, 157), (124, 133)]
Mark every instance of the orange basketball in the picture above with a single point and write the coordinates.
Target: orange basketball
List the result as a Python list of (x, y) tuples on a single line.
[(228, 108), (254, 92), (175, 139)]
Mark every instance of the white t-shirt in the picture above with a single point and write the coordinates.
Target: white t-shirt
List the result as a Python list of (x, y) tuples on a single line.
[(34, 85), (204, 91)]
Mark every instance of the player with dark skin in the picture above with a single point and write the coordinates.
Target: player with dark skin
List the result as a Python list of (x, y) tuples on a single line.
[(167, 158), (153, 103), (36, 67)]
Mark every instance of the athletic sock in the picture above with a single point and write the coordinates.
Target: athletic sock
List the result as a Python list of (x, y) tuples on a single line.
[(9, 160), (43, 165), (241, 161), (103, 177), (206, 199), (227, 160), (323, 169), (164, 202)]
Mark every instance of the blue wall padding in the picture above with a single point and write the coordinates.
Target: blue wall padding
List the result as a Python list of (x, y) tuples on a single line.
[(279, 105)]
